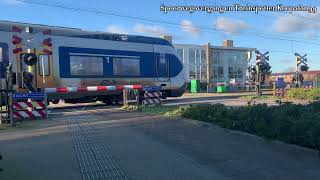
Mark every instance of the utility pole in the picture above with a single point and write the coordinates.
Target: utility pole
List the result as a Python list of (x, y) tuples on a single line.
[(9, 90), (262, 68), (301, 66)]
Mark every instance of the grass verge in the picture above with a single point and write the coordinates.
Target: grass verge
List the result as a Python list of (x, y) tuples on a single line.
[(255, 97), (291, 123)]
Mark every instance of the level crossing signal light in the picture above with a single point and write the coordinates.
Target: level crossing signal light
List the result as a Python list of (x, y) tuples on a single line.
[(29, 58)]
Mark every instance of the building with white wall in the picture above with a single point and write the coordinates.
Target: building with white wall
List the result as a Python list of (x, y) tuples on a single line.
[(215, 64)]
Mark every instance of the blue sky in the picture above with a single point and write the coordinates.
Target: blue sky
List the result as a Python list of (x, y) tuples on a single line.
[(298, 26)]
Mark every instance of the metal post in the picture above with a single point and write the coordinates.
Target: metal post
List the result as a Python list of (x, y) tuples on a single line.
[(11, 109), (258, 88), (9, 90), (46, 104), (138, 97), (1, 94), (274, 88), (125, 97)]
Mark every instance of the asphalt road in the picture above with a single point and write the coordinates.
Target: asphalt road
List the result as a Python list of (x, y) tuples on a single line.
[(113, 144)]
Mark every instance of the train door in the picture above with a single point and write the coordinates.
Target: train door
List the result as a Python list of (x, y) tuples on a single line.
[(163, 74)]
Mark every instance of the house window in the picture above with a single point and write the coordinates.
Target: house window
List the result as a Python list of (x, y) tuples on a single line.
[(180, 53), (197, 64), (192, 56), (192, 72), (203, 57), (126, 66), (86, 66)]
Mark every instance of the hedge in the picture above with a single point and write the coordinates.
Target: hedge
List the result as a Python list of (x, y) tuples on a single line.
[(295, 124), (304, 94)]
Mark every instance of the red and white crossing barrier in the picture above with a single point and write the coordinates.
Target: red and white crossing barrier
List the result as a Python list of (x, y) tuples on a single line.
[(152, 98), (24, 110), (92, 88), (29, 114), (25, 105)]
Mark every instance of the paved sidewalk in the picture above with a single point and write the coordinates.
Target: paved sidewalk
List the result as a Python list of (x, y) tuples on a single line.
[(149, 148), (235, 155), (39, 157)]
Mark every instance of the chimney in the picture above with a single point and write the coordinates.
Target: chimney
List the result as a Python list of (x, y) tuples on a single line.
[(228, 43), (167, 37)]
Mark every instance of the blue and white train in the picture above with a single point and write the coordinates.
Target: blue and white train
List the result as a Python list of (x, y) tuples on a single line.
[(81, 59)]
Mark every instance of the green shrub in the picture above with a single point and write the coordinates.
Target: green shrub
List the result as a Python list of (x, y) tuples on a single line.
[(304, 94)]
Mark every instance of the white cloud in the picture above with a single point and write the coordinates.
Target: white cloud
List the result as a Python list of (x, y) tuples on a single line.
[(150, 30), (230, 26), (116, 29), (188, 26), (291, 23), (12, 2)]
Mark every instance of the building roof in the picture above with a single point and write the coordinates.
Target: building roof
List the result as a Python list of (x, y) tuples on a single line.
[(217, 47)]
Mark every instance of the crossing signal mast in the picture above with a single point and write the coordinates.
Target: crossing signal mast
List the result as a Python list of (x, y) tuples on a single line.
[(261, 70), (301, 66), (28, 46)]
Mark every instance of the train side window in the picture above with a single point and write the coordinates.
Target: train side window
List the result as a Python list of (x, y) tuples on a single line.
[(126, 66), (86, 66), (44, 65)]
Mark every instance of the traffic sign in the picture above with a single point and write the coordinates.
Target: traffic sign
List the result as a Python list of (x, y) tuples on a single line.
[(34, 95), (262, 57)]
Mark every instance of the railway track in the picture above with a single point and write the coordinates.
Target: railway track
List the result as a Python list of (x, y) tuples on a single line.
[(63, 107)]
